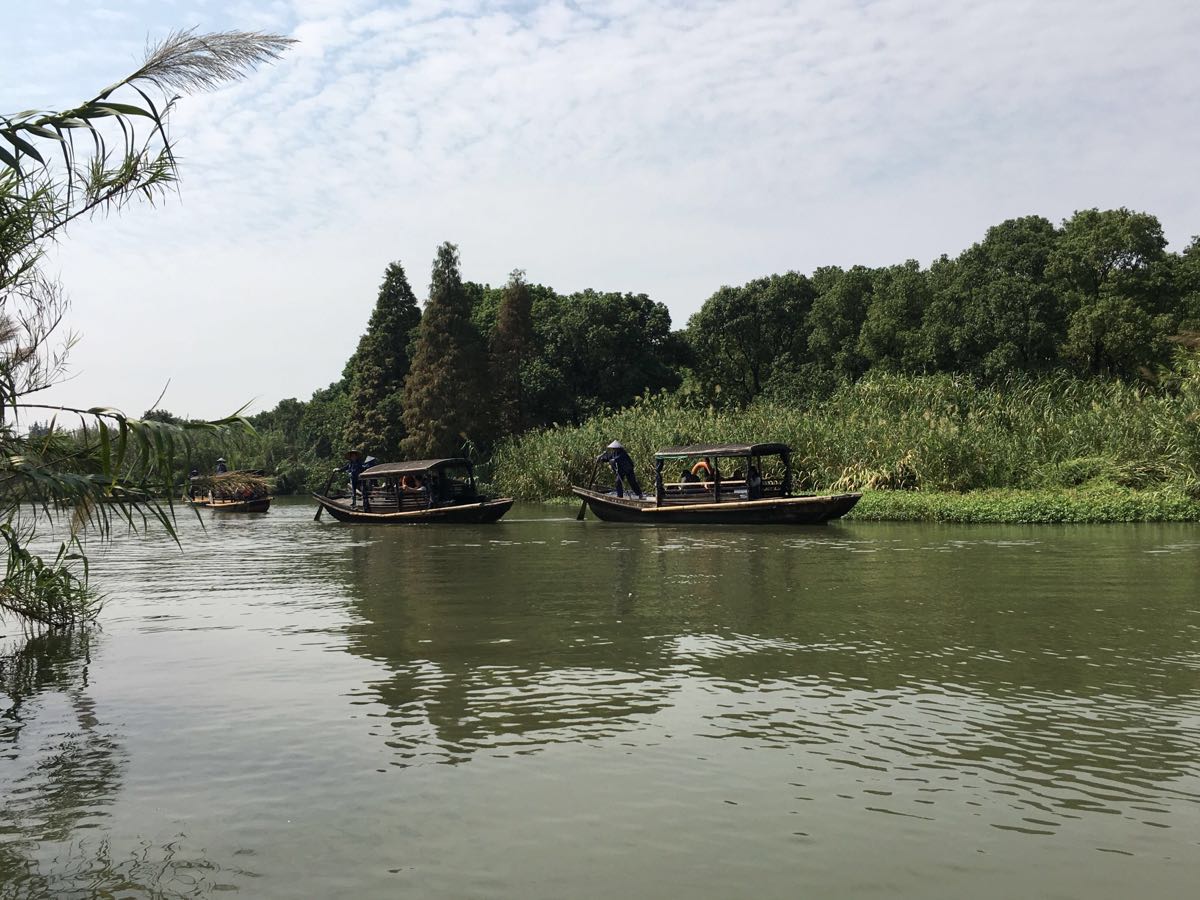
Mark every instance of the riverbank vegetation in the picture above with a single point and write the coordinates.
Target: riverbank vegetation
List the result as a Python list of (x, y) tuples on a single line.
[(1096, 502)]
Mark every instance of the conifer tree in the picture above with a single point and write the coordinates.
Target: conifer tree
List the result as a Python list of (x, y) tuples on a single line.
[(444, 403), (512, 345), (377, 370)]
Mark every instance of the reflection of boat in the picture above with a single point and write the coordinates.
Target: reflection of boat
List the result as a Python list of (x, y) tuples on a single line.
[(757, 496), (419, 491)]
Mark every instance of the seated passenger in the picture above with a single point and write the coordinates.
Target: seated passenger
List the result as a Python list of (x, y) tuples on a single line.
[(754, 484)]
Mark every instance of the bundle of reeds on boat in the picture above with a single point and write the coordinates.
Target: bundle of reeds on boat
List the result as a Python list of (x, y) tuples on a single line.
[(232, 486)]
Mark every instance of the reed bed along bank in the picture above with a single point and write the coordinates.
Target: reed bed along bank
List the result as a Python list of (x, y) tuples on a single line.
[(926, 433)]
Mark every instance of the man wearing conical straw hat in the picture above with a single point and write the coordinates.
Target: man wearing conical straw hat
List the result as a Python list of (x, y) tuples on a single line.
[(618, 457)]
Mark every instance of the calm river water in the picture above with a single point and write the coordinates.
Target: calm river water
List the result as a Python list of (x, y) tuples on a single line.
[(548, 709)]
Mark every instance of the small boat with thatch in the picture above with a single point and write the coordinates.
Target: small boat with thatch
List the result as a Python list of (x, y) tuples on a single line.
[(422, 491), (720, 484), (247, 492)]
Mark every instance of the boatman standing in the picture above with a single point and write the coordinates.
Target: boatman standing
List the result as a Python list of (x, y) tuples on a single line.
[(354, 465), (221, 467), (622, 465)]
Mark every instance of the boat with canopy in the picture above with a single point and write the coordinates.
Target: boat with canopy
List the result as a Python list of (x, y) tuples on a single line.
[(720, 484), (414, 492)]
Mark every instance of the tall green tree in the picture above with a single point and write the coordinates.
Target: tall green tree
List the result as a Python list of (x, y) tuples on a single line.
[(837, 317), (1110, 266), (376, 371), (890, 338), (1188, 284), (55, 168), (997, 312), (743, 337), (323, 424), (512, 349), (445, 406), (599, 350)]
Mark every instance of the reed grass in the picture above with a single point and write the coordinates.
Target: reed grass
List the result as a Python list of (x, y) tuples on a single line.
[(924, 433), (233, 485)]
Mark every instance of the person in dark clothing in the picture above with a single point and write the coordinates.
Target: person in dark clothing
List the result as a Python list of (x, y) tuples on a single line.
[(618, 457), (221, 467), (354, 465), (754, 484)]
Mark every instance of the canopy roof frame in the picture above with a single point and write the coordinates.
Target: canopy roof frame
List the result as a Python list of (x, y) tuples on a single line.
[(385, 470), (719, 450)]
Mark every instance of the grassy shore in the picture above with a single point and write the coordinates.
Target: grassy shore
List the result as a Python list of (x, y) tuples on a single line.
[(932, 448), (1093, 503)]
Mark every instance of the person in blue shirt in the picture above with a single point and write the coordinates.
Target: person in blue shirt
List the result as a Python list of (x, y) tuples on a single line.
[(221, 467), (618, 457), (355, 465)]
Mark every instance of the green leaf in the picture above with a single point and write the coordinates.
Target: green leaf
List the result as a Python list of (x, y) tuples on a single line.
[(23, 145), (92, 112), (105, 449), (9, 160), (42, 131), (124, 109), (122, 446)]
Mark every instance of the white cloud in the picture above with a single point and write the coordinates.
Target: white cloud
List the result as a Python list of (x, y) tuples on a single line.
[(665, 147)]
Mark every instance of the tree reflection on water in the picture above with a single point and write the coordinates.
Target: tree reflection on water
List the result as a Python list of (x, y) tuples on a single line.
[(487, 671)]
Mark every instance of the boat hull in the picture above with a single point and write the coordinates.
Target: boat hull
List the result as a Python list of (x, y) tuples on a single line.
[(465, 513), (768, 511), (258, 505)]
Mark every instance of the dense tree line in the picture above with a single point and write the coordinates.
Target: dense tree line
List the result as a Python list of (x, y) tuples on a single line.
[(1097, 297)]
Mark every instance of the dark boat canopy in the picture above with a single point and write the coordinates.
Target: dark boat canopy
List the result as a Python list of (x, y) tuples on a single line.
[(723, 450), (415, 465)]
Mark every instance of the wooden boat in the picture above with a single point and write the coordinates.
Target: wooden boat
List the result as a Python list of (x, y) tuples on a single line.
[(422, 491), (739, 498), (252, 505), (245, 492)]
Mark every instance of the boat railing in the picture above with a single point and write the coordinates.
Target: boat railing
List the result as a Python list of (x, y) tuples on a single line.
[(388, 497), (687, 492)]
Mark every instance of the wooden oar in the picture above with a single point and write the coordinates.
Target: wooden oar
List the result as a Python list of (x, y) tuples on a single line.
[(591, 485), (325, 493)]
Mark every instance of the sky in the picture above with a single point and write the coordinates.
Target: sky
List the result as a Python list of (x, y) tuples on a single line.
[(660, 147)]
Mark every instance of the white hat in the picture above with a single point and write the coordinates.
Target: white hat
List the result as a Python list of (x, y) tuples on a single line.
[(615, 445), (220, 459)]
